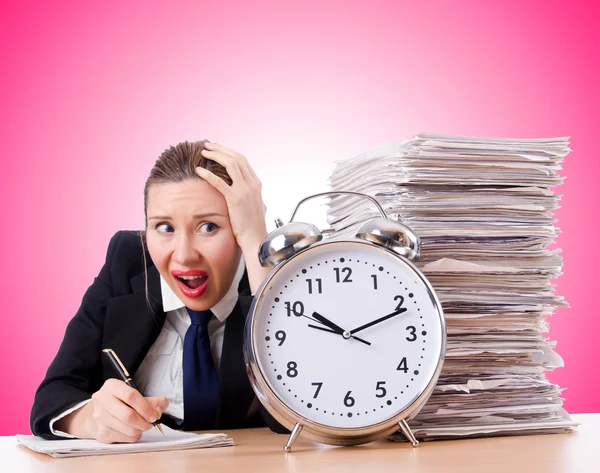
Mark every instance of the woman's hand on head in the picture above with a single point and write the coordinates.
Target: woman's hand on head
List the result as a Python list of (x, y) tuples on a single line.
[(116, 413), (243, 197)]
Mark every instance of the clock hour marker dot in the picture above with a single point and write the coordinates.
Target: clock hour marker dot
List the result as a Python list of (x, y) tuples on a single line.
[(269, 322), (423, 332), (411, 295), (366, 412), (373, 265), (291, 280), (407, 386), (289, 390), (316, 408), (325, 262), (374, 410), (295, 395), (272, 307), (412, 379), (388, 272), (311, 267), (417, 372), (284, 384), (280, 293), (341, 415), (389, 403), (382, 407), (278, 376), (401, 392), (423, 350), (309, 405), (349, 414), (268, 346), (318, 264), (304, 271), (342, 260), (277, 299), (394, 277), (324, 412), (302, 401), (334, 261), (285, 287), (380, 268)]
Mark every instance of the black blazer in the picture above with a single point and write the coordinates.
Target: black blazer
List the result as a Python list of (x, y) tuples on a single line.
[(115, 313)]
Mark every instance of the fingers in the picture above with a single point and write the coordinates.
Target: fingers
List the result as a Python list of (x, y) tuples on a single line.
[(106, 434), (214, 181), (231, 164), (212, 151), (133, 399), (119, 416), (159, 403)]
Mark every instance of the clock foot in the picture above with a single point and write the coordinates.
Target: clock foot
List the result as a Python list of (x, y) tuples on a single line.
[(293, 436), (407, 433)]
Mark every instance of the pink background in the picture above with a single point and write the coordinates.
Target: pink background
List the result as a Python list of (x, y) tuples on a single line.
[(92, 92)]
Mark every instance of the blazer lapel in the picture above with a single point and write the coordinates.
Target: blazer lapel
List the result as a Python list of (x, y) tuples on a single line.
[(134, 321), (235, 392)]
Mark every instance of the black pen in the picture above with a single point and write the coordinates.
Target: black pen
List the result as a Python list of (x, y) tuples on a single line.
[(124, 374)]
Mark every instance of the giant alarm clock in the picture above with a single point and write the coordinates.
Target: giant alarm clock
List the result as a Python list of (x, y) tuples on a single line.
[(345, 338)]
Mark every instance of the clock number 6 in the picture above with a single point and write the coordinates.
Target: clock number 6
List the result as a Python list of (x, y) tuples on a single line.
[(349, 400)]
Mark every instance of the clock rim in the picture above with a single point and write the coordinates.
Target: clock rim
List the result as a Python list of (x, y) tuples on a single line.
[(317, 431)]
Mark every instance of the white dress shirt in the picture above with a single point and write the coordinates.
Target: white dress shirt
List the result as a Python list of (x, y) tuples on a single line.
[(161, 370)]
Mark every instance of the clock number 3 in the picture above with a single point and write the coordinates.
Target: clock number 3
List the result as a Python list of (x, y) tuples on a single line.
[(413, 333)]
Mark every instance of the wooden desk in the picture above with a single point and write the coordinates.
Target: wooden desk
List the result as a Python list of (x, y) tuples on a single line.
[(259, 450)]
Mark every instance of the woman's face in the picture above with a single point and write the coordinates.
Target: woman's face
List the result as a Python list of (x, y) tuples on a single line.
[(191, 241)]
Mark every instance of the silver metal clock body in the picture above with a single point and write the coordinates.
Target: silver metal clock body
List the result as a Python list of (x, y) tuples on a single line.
[(345, 387)]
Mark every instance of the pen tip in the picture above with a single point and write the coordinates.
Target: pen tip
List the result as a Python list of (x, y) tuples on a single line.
[(159, 428)]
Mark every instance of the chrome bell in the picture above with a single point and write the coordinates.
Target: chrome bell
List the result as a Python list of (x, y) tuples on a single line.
[(286, 240), (392, 235)]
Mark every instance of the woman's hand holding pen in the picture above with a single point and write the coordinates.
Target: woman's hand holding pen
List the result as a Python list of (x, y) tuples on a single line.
[(244, 203), (116, 413)]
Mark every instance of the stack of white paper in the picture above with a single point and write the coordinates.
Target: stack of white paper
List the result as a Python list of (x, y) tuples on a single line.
[(483, 209), (151, 441)]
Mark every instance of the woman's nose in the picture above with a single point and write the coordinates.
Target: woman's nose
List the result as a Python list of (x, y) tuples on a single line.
[(184, 252)]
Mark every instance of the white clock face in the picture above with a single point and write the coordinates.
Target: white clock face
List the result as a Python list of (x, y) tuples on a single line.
[(347, 335)]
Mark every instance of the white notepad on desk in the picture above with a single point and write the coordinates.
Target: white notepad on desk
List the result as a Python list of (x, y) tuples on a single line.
[(151, 441)]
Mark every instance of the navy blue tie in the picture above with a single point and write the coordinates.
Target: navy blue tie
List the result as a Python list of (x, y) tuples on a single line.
[(200, 383)]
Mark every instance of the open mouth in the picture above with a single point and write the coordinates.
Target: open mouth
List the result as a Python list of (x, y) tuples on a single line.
[(191, 285), (193, 282)]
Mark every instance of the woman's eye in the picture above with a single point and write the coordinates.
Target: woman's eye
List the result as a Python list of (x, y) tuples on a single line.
[(208, 227), (164, 228)]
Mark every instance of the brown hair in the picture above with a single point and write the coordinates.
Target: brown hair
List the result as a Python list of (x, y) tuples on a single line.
[(176, 164)]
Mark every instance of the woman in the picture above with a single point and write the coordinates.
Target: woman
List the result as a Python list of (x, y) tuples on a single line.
[(204, 219)]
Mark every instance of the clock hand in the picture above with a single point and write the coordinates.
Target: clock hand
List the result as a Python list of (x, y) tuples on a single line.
[(385, 317), (325, 329), (328, 322)]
